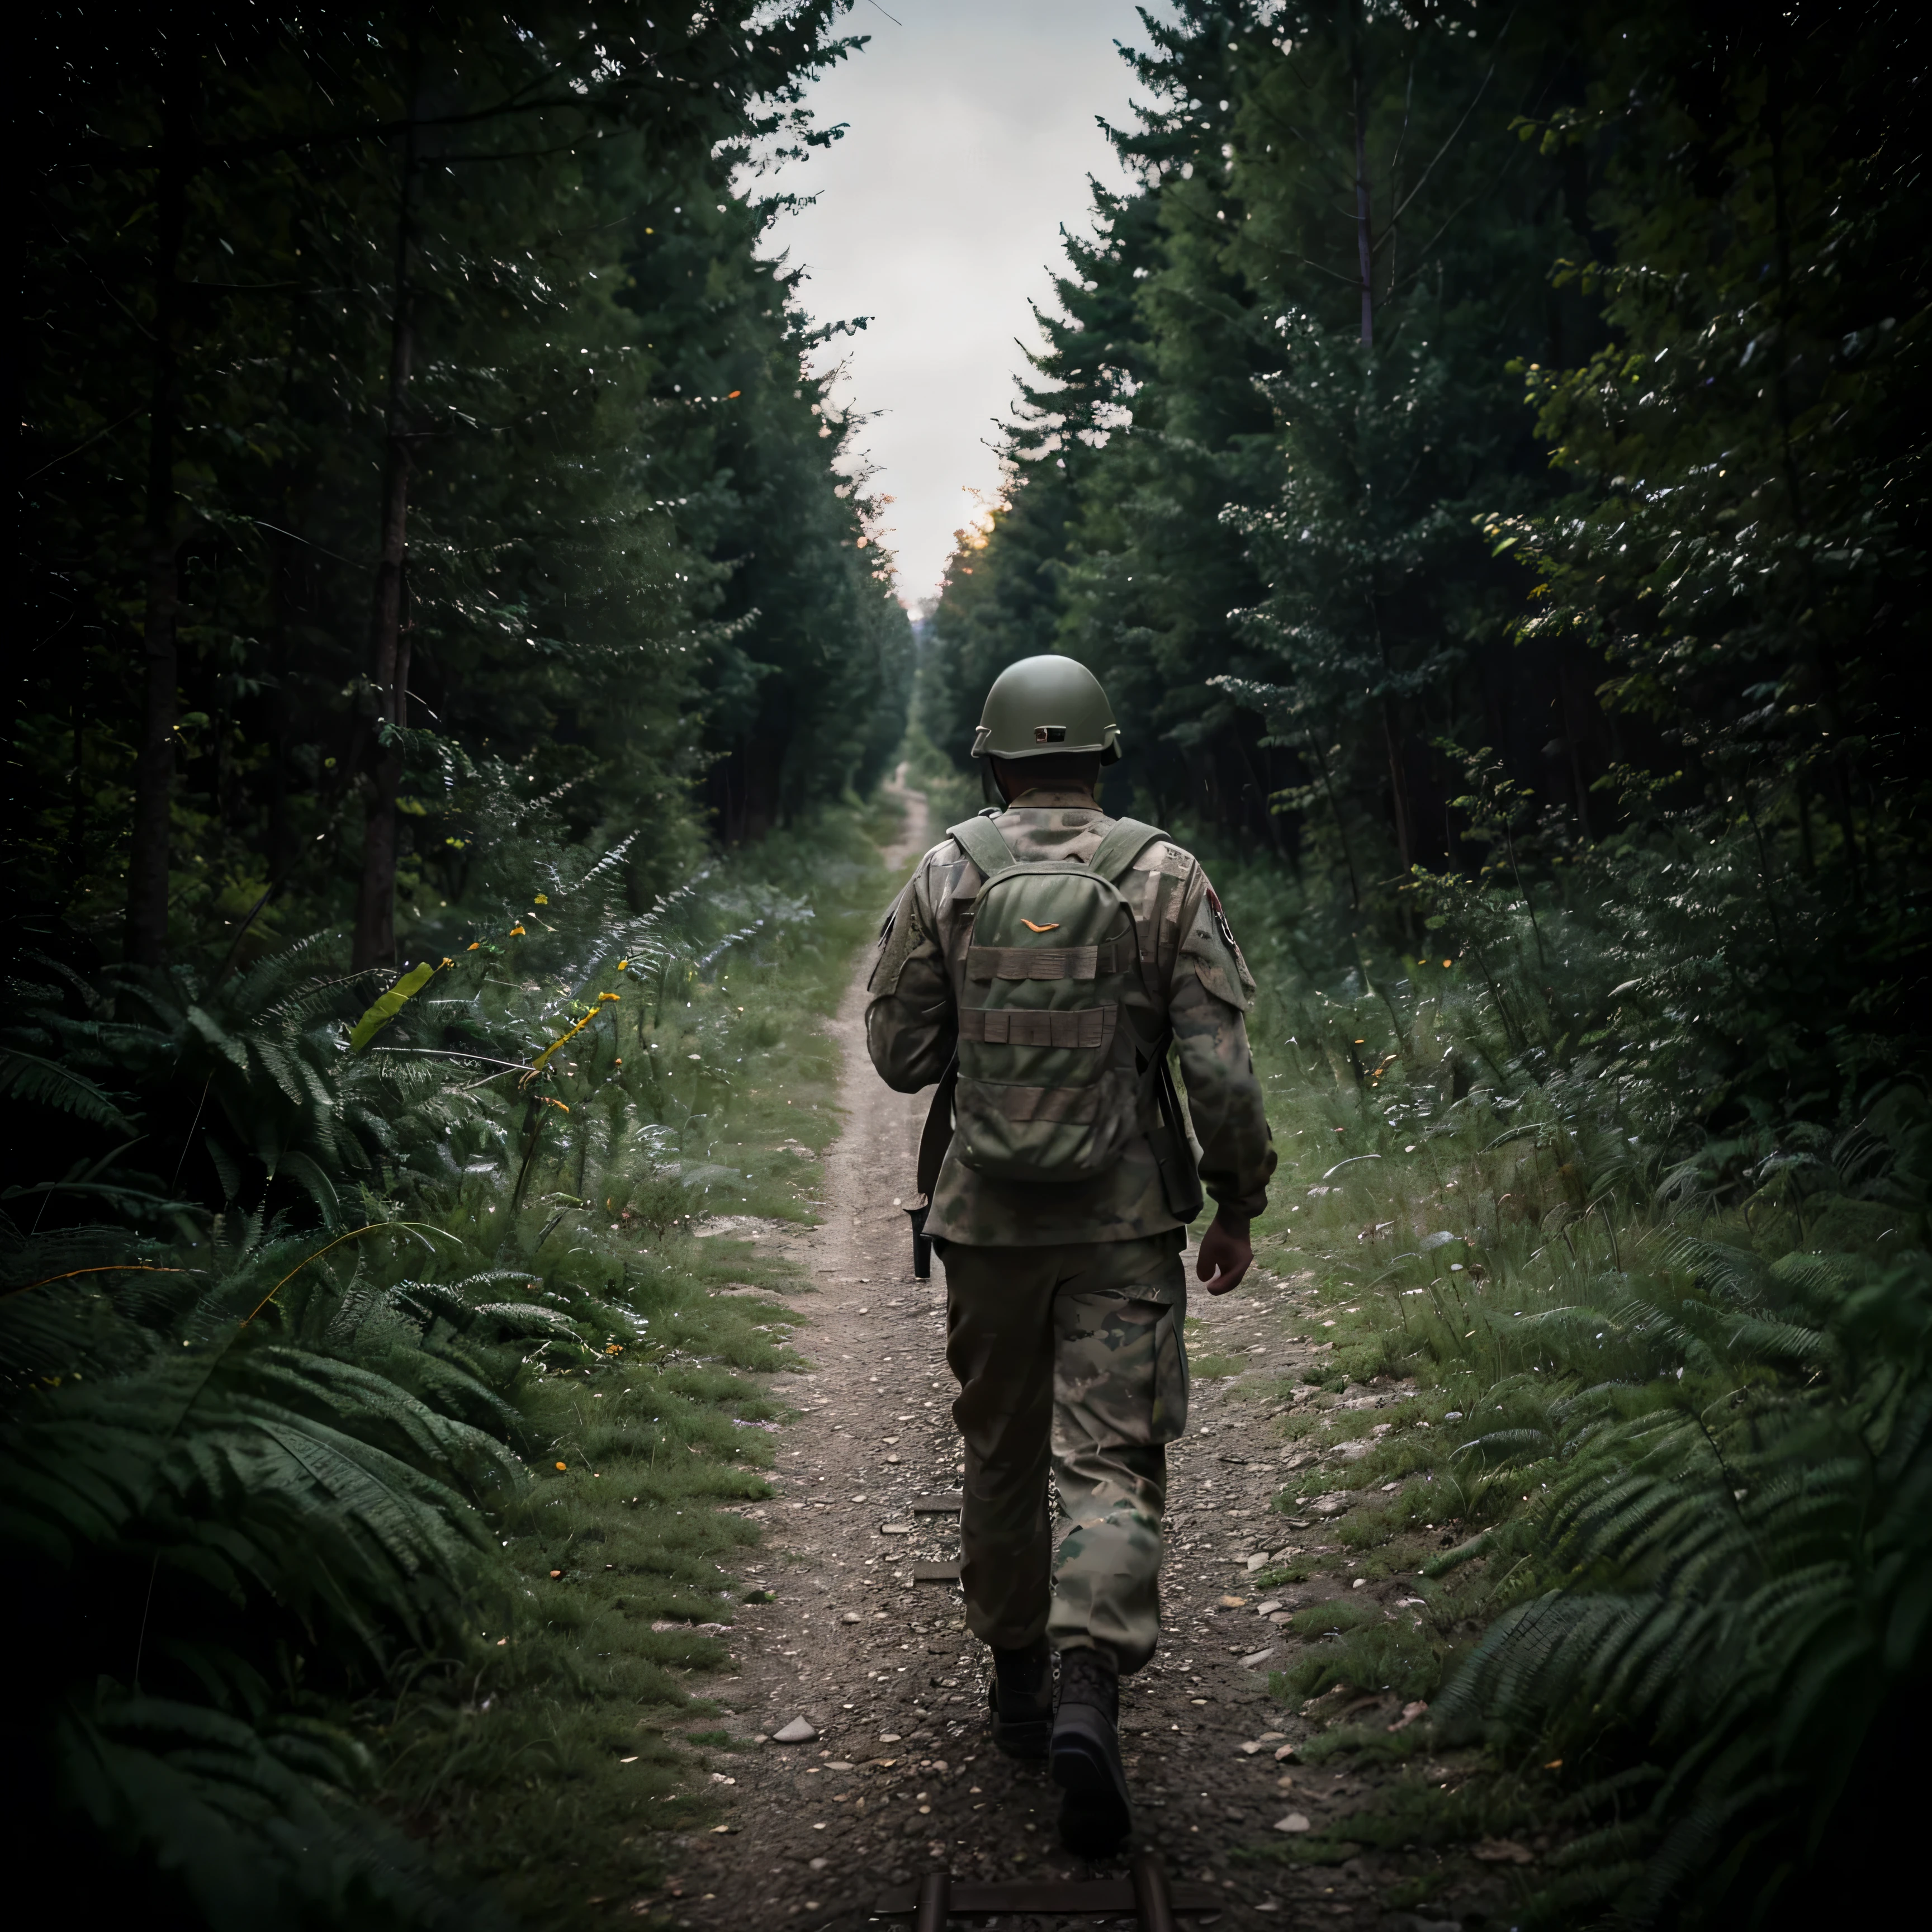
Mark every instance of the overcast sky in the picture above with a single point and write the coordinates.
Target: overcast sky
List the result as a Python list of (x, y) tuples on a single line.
[(970, 139)]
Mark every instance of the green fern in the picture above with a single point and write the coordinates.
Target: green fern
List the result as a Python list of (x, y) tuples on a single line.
[(1740, 1585), (244, 1827), (26, 1076), (263, 1390)]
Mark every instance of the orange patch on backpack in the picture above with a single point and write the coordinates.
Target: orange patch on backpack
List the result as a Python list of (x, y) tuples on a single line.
[(1031, 928)]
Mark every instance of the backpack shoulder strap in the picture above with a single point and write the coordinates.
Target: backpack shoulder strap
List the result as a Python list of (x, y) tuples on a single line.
[(979, 839), (1124, 842)]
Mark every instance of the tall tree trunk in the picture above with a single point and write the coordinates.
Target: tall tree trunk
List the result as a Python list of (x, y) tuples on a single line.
[(1341, 828), (1573, 734), (375, 940), (1364, 237), (281, 835), (1404, 812), (1405, 845), (1405, 817), (1270, 823), (76, 823), (147, 929), (1813, 649)]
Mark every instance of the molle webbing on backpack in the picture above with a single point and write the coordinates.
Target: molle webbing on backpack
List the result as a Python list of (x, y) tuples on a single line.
[(1050, 1103), (1008, 1026), (1053, 1087), (1051, 962)]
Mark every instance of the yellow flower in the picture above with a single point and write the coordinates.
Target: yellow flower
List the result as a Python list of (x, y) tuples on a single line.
[(516, 932), (563, 1465), (542, 899)]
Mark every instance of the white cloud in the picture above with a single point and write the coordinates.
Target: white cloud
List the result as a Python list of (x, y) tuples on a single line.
[(971, 138)]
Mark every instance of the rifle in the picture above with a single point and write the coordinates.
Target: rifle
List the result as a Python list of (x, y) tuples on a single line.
[(934, 1140)]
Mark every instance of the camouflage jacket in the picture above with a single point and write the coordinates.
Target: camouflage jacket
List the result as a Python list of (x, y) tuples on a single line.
[(1196, 985)]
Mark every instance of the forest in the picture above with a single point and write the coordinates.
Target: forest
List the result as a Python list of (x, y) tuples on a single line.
[(1483, 457), (1480, 453)]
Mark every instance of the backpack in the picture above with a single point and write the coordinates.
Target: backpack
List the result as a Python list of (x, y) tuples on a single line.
[(1053, 1083)]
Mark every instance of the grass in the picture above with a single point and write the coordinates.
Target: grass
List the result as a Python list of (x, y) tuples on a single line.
[(581, 1734), (1635, 1386), (1207, 1366), (1390, 1307), (1555, 1286)]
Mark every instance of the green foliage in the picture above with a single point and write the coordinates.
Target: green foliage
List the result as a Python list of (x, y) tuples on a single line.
[(1669, 1447), (1254, 522), (1747, 440), (312, 1380), (29, 1078), (381, 1012), (246, 1823), (518, 256), (217, 1529), (1731, 1577), (365, 1407), (1306, 530)]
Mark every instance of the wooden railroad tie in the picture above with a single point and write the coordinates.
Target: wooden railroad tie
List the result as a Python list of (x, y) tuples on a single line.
[(946, 1502), (1145, 1892)]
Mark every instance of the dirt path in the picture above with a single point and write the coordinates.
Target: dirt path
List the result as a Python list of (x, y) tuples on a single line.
[(900, 1775)]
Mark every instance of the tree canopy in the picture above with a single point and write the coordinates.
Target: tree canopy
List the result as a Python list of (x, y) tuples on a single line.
[(414, 420), (1477, 410), (1481, 449)]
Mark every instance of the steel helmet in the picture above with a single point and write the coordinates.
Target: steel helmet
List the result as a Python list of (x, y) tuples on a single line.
[(1043, 705)]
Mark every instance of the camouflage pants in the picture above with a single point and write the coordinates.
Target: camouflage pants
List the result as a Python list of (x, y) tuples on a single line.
[(1070, 1358)]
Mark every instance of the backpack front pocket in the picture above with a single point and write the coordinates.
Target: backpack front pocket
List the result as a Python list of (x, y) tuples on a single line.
[(1012, 1131)]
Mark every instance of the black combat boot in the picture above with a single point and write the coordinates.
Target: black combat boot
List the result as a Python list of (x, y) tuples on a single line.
[(1021, 1696), (1096, 1814)]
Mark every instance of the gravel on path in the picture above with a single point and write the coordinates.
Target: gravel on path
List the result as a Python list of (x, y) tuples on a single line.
[(897, 1774)]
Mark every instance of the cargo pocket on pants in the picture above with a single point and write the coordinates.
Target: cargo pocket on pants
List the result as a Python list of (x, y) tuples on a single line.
[(1170, 1376)]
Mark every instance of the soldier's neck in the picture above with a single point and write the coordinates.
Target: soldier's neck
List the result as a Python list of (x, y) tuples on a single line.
[(1063, 795)]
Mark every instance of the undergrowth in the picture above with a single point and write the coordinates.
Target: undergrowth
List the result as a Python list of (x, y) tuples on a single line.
[(1655, 1268), (370, 1411)]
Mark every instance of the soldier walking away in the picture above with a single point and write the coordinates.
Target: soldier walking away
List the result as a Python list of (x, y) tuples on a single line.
[(1040, 966)]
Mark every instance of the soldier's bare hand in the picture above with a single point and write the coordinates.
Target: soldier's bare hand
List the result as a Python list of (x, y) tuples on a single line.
[(1226, 1255)]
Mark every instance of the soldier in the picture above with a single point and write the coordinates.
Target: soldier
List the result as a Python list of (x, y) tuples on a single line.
[(1038, 966)]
